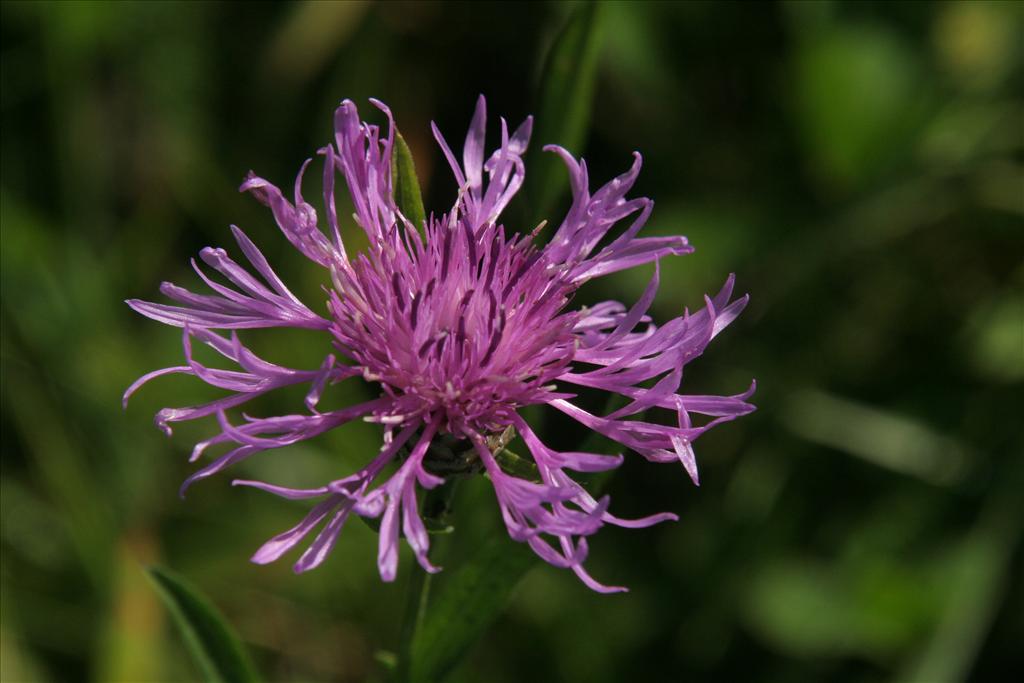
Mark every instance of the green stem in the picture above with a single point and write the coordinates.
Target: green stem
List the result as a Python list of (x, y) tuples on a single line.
[(435, 507), (415, 608)]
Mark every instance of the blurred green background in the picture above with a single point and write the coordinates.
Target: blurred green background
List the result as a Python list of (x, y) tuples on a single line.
[(857, 164)]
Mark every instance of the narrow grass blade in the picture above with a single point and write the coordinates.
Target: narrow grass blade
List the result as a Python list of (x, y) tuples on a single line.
[(563, 112)]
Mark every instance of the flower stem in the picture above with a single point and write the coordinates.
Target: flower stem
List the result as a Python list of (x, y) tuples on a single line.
[(435, 507), (415, 608)]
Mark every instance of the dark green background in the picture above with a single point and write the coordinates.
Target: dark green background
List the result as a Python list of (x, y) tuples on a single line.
[(858, 165)]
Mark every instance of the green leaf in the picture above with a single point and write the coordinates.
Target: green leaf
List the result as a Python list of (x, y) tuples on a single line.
[(563, 112), (473, 598), (216, 649), (517, 465), (405, 184), (466, 605)]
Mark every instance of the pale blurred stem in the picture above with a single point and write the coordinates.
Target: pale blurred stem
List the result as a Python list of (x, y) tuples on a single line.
[(435, 507)]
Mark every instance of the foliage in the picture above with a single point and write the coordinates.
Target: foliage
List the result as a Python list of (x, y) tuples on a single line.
[(211, 642), (857, 164)]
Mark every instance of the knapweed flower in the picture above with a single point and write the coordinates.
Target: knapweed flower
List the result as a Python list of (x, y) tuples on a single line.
[(457, 324)]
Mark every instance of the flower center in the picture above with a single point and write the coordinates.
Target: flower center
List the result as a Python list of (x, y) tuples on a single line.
[(465, 322)]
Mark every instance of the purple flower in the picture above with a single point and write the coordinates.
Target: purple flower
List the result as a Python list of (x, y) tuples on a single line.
[(458, 324)]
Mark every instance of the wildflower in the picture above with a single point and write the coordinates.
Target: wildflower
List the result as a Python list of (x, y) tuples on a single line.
[(458, 324)]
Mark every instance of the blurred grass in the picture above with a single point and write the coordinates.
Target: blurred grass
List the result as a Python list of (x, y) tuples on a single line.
[(859, 165)]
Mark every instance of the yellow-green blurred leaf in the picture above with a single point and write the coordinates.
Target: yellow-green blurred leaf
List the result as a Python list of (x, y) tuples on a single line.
[(216, 649)]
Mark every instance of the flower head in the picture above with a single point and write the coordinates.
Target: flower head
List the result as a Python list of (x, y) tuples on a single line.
[(458, 324)]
